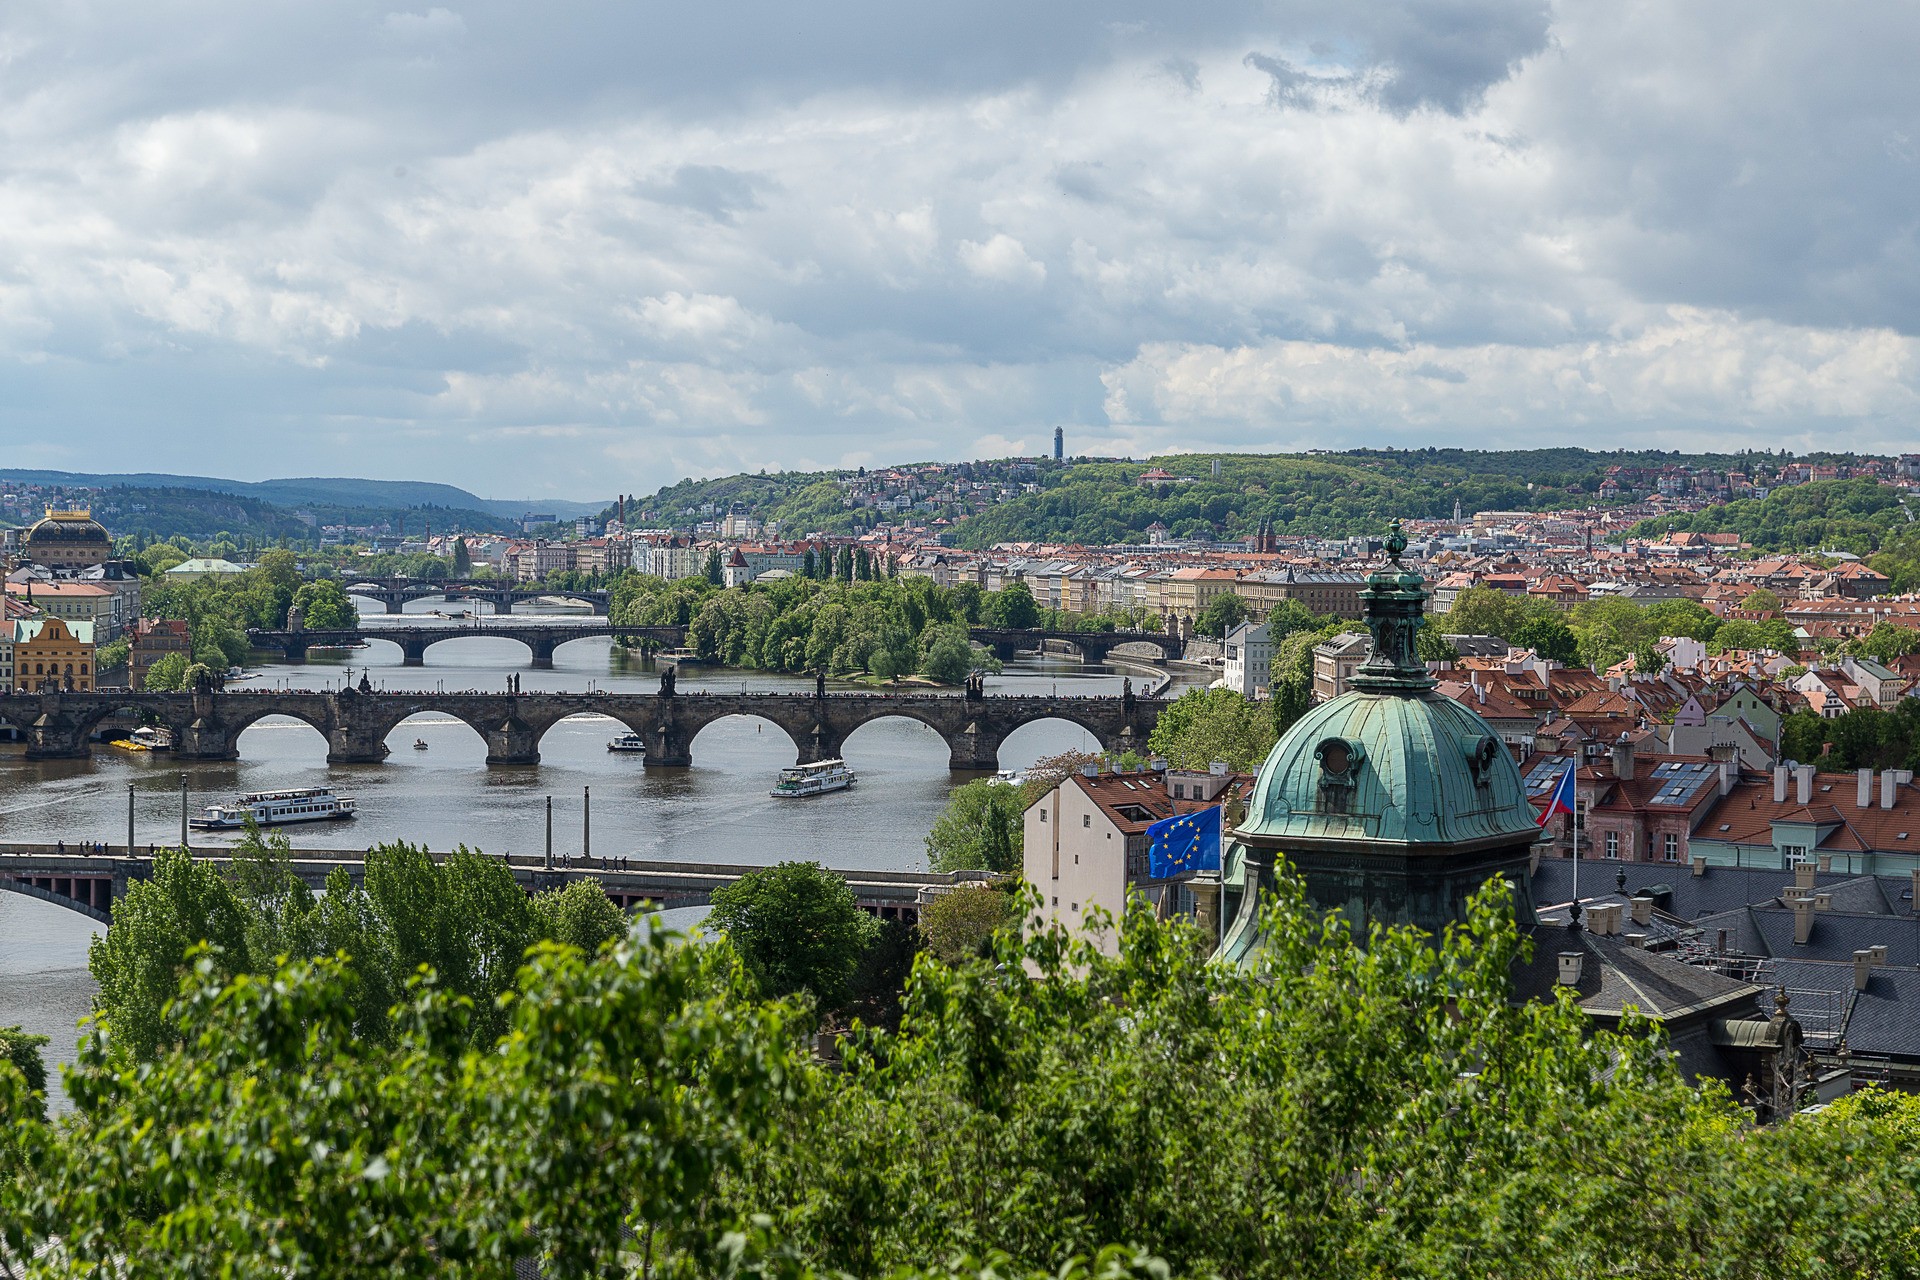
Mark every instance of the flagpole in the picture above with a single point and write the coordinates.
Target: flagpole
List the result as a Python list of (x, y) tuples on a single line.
[(1573, 768)]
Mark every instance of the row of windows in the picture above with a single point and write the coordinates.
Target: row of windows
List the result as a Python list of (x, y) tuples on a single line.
[(1669, 846)]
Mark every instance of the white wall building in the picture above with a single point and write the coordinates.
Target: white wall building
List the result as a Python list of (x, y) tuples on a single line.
[(1249, 660)]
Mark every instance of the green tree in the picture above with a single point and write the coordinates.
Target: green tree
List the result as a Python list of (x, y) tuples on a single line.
[(1205, 725), (139, 963), (1433, 646), (167, 674), (1485, 611), (1222, 614), (716, 574), (325, 606), (21, 1050), (843, 564), (808, 569), (1549, 637), (1761, 600), (1290, 685), (580, 915), (981, 829), (797, 928), (462, 559), (949, 654), (959, 924), (1013, 606)]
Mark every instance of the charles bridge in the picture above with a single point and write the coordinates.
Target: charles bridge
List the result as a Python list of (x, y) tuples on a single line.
[(90, 883), (543, 638), (207, 725)]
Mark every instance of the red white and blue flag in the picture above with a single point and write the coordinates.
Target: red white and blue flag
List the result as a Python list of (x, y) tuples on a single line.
[(1561, 801)]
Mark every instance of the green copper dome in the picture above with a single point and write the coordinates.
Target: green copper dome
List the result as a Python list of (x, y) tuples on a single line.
[(1393, 803), (1391, 767)]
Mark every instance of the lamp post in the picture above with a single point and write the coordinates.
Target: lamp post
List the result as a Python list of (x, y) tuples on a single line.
[(129, 819), (549, 833), (183, 812), (586, 823)]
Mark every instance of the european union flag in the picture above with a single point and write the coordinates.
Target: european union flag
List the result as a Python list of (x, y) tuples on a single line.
[(1190, 842)]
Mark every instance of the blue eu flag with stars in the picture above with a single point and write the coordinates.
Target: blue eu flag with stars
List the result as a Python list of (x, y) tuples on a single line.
[(1188, 842)]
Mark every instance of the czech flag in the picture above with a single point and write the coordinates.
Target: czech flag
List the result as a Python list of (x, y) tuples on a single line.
[(1187, 843), (1561, 801)]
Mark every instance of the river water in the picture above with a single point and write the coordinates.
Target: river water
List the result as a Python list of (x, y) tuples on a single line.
[(717, 811)]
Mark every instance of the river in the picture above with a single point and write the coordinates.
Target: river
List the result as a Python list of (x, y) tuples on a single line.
[(717, 811)]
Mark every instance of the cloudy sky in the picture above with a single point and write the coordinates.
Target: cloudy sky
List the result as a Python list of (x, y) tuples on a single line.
[(566, 249)]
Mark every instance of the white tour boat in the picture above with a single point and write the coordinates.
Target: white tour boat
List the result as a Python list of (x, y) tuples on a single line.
[(276, 809), (632, 743), (815, 779)]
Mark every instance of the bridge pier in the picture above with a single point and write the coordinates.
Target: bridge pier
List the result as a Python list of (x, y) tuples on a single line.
[(974, 749), (542, 653), (513, 742), (669, 747), (294, 652), (413, 652), (821, 743)]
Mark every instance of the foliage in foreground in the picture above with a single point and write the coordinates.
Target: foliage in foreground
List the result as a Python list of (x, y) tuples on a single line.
[(465, 917), (1339, 1112)]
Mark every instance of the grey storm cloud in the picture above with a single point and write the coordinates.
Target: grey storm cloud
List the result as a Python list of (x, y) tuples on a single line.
[(579, 247)]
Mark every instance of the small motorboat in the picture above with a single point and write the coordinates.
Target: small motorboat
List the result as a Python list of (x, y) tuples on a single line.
[(419, 744)]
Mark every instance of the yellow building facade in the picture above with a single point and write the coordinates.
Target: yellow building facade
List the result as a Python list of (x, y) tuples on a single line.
[(53, 652)]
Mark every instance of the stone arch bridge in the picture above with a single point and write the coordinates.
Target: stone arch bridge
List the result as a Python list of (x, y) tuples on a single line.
[(1093, 646), (394, 593), (207, 726), (541, 639)]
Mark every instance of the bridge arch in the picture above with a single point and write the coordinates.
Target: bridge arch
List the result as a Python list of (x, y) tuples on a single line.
[(770, 729), (1045, 735), (245, 718), (423, 725)]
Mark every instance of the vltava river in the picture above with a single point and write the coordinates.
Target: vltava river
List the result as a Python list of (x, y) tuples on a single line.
[(717, 811)]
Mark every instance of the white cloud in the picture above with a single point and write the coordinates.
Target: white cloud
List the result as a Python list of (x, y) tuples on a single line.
[(715, 246), (1002, 258)]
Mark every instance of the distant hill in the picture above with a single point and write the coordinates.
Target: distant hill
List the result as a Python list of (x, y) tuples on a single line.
[(318, 491)]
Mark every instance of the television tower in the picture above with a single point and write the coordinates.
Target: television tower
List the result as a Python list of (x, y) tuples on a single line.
[(1059, 444)]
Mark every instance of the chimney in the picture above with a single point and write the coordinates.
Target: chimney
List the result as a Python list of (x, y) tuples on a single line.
[(1729, 773), (1862, 966), (1642, 909), (1823, 901), (1887, 789), (1802, 921), (1863, 796), (1826, 863), (1879, 953), (1779, 784), (1623, 758), (1803, 784), (1571, 963), (1700, 865), (1803, 875), (1915, 874)]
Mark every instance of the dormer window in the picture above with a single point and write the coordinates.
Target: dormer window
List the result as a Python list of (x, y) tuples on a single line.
[(1339, 772)]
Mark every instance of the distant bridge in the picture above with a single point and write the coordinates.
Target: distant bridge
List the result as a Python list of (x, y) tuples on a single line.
[(541, 639), (207, 726), (91, 884), (1093, 646), (394, 593)]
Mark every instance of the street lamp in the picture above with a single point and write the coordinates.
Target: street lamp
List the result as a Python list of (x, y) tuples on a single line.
[(183, 812)]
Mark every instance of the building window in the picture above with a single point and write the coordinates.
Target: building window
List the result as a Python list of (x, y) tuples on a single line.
[(1086, 820), (1671, 850), (1613, 844), (1043, 815)]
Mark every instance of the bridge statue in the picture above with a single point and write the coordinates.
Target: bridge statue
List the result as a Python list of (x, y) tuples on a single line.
[(819, 684), (666, 681)]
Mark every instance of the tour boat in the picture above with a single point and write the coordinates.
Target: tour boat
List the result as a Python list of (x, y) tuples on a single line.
[(276, 809), (632, 743), (814, 779), (146, 738)]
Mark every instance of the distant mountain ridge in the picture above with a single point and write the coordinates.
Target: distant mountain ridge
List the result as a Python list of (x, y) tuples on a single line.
[(320, 490)]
